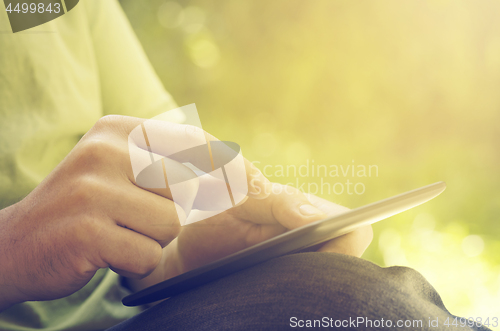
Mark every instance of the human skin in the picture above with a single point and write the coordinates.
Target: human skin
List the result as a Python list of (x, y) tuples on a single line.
[(254, 221), (89, 214)]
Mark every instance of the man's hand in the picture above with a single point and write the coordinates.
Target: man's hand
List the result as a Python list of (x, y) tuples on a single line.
[(252, 222), (89, 214)]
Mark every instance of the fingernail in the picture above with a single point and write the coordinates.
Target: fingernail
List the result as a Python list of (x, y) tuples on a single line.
[(309, 210)]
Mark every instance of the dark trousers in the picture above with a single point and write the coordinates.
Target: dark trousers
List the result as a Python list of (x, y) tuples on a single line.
[(310, 291)]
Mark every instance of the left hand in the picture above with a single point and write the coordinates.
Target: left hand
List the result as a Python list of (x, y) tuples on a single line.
[(243, 226)]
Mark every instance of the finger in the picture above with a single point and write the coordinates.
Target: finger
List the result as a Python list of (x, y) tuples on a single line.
[(190, 144), (353, 243), (259, 187), (111, 159), (326, 206), (145, 212), (285, 205), (148, 167), (129, 253)]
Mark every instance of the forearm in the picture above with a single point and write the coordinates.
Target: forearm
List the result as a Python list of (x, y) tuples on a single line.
[(9, 293)]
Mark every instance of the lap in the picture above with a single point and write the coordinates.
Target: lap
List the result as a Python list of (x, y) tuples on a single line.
[(294, 289)]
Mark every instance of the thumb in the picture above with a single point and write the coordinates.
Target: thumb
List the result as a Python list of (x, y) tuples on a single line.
[(284, 205)]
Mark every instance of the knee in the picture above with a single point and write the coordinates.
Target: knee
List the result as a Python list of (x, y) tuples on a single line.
[(325, 283), (336, 285)]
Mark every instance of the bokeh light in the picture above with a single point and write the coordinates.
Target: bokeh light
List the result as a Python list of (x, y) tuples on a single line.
[(409, 86)]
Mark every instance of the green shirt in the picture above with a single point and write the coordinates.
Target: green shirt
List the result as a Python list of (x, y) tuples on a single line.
[(56, 81)]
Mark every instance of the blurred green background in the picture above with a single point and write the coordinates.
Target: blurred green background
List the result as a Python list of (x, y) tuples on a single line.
[(412, 87)]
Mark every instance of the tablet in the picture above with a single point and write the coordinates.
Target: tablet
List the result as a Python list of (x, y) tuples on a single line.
[(286, 243)]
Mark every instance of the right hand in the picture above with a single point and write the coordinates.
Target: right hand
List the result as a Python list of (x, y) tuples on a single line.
[(87, 214)]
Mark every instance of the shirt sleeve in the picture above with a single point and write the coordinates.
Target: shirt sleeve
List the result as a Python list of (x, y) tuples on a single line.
[(129, 85)]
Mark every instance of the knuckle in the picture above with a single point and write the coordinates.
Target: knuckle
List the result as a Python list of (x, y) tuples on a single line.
[(95, 153), (108, 121), (85, 190), (110, 125), (91, 227), (83, 269), (97, 149), (87, 231)]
